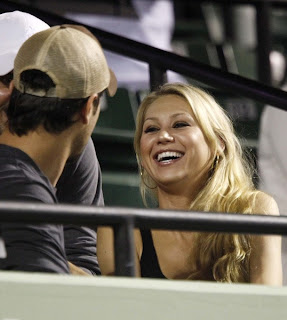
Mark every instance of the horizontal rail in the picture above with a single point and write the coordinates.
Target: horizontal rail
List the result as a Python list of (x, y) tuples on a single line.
[(142, 218), (124, 220), (170, 61)]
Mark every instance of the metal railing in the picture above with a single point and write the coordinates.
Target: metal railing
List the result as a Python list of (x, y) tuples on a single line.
[(124, 220)]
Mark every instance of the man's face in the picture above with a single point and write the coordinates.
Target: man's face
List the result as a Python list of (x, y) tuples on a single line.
[(5, 94)]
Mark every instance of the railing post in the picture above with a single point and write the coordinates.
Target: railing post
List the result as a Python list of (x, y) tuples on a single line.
[(124, 248), (264, 41), (157, 76)]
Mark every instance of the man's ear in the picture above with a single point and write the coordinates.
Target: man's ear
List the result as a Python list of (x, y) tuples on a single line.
[(88, 110)]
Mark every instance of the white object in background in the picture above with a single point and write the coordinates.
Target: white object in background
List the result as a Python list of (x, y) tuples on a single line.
[(154, 26)]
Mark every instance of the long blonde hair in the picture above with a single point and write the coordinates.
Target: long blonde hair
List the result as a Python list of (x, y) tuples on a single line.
[(218, 256)]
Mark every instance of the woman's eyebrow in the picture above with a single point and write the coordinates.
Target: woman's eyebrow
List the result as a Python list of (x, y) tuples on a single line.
[(172, 116), (151, 118)]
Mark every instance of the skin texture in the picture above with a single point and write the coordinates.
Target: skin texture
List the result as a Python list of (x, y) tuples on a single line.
[(77, 271), (169, 125), (4, 94), (167, 128), (265, 260)]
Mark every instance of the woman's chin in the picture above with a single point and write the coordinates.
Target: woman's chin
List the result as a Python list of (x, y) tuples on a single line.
[(171, 182)]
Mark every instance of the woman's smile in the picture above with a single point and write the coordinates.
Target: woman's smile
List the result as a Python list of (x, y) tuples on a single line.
[(167, 157), (173, 147)]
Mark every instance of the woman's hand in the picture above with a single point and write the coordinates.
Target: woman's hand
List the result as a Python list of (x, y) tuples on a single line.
[(76, 270)]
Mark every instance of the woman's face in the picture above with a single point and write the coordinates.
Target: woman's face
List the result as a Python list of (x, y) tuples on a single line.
[(173, 148)]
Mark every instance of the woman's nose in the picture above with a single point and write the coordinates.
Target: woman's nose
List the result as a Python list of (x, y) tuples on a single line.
[(165, 136)]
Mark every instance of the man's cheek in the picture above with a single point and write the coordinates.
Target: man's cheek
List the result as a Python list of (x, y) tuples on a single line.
[(4, 97)]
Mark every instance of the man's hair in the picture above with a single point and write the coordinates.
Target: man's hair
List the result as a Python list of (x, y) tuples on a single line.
[(26, 112), (7, 78)]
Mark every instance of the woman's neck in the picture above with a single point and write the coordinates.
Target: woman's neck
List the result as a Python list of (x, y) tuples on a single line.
[(181, 195), (173, 201)]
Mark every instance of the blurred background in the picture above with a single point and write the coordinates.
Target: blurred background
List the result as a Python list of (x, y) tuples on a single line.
[(223, 34)]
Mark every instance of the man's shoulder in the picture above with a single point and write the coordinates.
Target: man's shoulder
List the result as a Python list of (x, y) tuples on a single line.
[(16, 165), (21, 179)]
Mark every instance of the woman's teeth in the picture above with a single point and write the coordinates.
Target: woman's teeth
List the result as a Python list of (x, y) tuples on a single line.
[(168, 155)]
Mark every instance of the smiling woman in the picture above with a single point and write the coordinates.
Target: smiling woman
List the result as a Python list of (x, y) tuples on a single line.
[(170, 145), (190, 159)]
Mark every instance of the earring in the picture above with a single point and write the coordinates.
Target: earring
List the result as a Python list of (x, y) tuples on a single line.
[(215, 163), (142, 177)]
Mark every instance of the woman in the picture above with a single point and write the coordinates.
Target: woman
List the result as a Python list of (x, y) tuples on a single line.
[(190, 159)]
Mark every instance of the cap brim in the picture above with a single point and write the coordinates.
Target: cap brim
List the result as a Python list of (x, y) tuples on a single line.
[(113, 85)]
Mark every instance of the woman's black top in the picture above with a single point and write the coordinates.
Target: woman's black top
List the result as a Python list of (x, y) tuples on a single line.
[(149, 263)]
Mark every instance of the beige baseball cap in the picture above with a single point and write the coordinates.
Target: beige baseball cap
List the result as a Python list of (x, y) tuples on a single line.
[(72, 57)]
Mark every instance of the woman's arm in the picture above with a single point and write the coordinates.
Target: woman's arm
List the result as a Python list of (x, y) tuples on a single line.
[(105, 251), (265, 259)]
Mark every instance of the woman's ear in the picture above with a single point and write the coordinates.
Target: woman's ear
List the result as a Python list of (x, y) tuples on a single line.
[(89, 109), (222, 144)]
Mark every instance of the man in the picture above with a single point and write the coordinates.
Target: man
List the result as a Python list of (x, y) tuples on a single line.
[(52, 112), (81, 180)]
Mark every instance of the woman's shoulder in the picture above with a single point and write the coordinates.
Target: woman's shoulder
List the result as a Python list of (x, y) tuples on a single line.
[(265, 204)]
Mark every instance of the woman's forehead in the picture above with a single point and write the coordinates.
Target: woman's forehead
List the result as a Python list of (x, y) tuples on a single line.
[(171, 103)]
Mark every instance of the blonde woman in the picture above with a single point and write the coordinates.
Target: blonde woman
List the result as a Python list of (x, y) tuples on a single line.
[(190, 159)]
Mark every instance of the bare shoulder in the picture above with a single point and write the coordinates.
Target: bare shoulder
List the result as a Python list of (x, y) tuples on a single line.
[(265, 204)]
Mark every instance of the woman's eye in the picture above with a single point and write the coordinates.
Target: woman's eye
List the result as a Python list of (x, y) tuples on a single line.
[(150, 129), (180, 124)]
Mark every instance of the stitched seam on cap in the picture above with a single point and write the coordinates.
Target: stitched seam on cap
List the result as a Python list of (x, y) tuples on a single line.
[(42, 52)]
